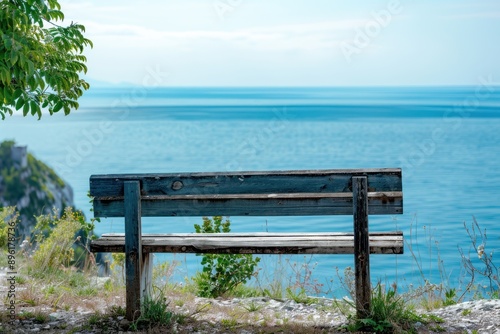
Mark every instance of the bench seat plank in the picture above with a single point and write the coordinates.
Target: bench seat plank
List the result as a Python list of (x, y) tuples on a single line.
[(254, 243), (300, 204)]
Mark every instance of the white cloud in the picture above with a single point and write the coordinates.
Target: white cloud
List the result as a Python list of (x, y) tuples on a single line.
[(295, 36)]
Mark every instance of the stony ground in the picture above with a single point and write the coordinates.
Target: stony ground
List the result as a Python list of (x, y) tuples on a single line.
[(93, 315), (251, 315)]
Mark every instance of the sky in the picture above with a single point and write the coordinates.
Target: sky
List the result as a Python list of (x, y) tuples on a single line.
[(290, 43)]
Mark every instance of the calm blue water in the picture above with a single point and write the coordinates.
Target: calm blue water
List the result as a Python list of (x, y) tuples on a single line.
[(447, 140)]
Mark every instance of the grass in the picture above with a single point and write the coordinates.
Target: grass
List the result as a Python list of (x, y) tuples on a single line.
[(388, 313)]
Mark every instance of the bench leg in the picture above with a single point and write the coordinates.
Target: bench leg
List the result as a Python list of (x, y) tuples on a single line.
[(361, 246), (146, 274), (133, 248)]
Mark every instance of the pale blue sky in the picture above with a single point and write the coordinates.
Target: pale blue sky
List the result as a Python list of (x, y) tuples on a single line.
[(290, 43)]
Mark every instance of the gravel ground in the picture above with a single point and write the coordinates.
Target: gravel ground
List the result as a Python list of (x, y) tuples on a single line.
[(252, 315)]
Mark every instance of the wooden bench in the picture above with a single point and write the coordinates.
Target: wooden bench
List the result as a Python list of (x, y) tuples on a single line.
[(355, 192)]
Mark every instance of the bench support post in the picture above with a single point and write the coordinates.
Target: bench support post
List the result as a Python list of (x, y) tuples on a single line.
[(133, 248), (361, 246)]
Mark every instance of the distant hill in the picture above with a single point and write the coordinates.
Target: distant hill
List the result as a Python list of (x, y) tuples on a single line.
[(30, 185)]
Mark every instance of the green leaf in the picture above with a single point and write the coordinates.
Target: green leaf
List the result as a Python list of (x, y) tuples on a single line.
[(58, 106), (17, 93), (26, 109), (13, 58), (19, 103), (35, 108), (7, 95)]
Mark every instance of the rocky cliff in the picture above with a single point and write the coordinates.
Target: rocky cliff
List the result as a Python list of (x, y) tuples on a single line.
[(30, 185)]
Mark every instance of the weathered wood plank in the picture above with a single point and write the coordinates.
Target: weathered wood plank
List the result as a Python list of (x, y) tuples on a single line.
[(254, 243), (147, 274), (315, 181), (361, 246), (300, 204), (133, 248)]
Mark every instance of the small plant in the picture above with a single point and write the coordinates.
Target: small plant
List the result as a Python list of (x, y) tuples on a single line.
[(94, 319), (252, 306), (466, 312), (389, 313), (450, 296), (38, 317), (222, 273), (117, 311), (154, 313), (229, 324), (299, 296), (87, 291), (21, 280), (438, 328)]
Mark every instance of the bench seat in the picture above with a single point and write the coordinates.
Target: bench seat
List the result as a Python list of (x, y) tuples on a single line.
[(253, 243)]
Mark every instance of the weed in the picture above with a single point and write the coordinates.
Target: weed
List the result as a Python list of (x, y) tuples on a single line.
[(26, 315), (94, 319), (450, 295), (432, 318), (154, 313), (466, 312), (38, 317), (21, 280), (117, 311), (87, 291), (299, 296), (50, 290), (438, 328), (252, 306), (229, 324), (108, 286), (388, 313)]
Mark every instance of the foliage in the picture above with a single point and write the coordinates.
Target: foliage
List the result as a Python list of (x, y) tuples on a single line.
[(56, 249), (40, 67), (389, 313), (222, 273), (8, 219)]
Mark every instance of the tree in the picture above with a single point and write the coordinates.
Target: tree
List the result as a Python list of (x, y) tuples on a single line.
[(40, 66)]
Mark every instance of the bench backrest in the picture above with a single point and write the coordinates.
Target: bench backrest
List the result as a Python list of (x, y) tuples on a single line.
[(275, 193)]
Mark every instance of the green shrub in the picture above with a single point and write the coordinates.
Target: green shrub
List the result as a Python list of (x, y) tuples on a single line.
[(222, 273), (56, 249), (8, 220)]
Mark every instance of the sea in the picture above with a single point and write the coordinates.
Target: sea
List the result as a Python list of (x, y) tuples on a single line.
[(445, 139)]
